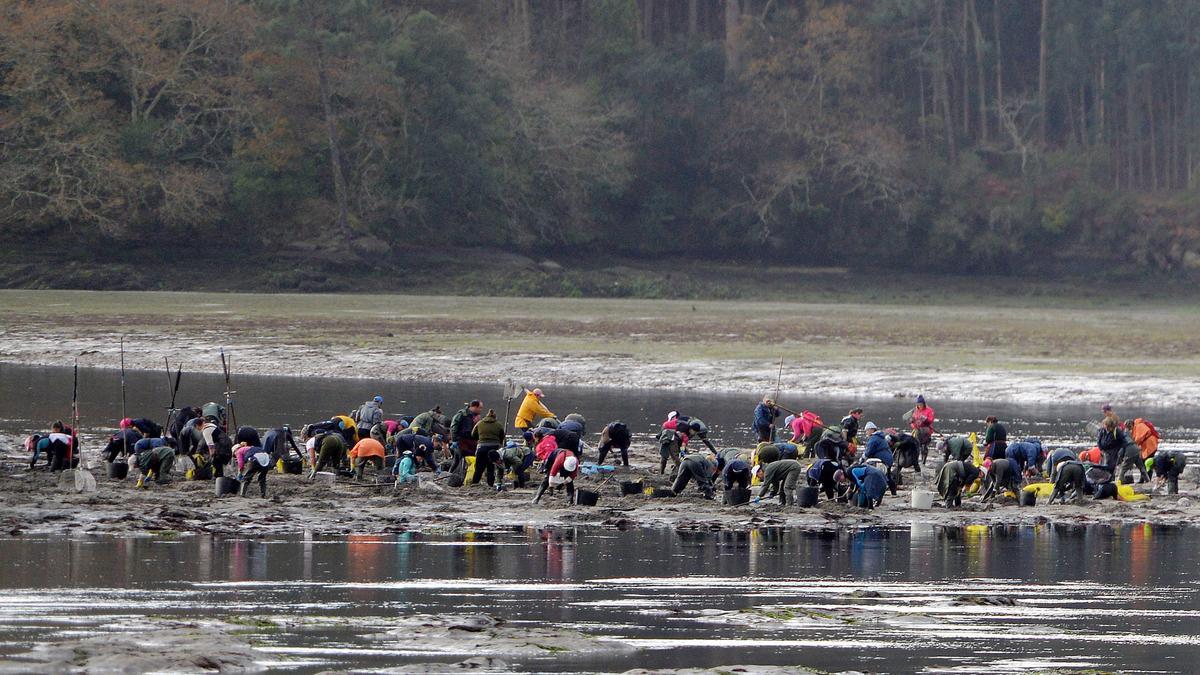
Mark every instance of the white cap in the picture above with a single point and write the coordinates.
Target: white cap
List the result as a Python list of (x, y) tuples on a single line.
[(870, 427), (570, 463)]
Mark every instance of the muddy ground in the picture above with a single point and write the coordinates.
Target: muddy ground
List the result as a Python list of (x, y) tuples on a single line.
[(33, 502), (1031, 349)]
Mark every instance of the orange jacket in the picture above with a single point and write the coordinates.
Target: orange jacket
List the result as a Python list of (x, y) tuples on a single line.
[(1146, 436), (367, 447)]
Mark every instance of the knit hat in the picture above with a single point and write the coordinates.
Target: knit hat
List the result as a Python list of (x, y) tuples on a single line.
[(870, 427), (921, 399)]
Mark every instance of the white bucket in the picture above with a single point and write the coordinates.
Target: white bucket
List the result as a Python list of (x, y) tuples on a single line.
[(922, 499), (325, 478)]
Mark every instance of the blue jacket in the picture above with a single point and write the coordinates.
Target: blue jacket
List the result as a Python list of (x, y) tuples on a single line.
[(871, 482), (821, 466), (878, 448), (148, 443), (1025, 454), (764, 416), (735, 470)]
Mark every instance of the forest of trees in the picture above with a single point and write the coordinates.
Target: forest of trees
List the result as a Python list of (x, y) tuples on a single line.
[(963, 135)]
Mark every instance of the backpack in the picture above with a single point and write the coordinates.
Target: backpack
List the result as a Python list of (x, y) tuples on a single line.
[(1149, 425), (455, 422)]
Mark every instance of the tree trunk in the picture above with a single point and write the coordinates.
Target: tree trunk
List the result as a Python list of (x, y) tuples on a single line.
[(981, 79), (966, 73), (999, 57), (733, 38), (1043, 54), (648, 21), (941, 89), (335, 153), (1148, 86)]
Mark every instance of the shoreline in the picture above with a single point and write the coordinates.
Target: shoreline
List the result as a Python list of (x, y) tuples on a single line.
[(33, 503)]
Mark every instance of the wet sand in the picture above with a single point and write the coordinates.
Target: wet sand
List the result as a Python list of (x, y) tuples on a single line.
[(1032, 350), (33, 502)]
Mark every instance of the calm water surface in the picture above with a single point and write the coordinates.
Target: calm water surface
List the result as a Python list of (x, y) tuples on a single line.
[(1091, 597)]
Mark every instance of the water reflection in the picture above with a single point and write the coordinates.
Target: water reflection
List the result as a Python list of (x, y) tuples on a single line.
[(979, 598)]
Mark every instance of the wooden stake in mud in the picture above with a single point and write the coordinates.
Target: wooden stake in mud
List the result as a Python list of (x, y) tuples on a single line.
[(172, 410), (231, 414), (74, 417), (779, 380), (124, 435)]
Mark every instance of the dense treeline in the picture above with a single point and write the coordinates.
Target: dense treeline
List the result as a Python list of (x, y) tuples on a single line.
[(966, 134)]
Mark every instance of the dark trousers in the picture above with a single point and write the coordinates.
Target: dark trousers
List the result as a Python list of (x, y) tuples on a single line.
[(604, 449), (361, 463), (486, 456), (693, 471), (259, 471)]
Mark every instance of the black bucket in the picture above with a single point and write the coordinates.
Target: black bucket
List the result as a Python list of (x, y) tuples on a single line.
[(226, 486), (118, 470), (806, 497), (737, 496), (662, 493), (455, 480), (586, 497), (629, 487), (1028, 497)]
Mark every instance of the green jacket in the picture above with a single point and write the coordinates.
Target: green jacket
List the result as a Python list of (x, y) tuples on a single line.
[(488, 430)]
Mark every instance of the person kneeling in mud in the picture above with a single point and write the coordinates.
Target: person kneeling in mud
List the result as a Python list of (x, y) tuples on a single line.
[(780, 478), (562, 472), (1001, 477), (696, 467), (1167, 466), (366, 451), (870, 484), (331, 447), (155, 460), (827, 475), (1068, 477), (953, 478)]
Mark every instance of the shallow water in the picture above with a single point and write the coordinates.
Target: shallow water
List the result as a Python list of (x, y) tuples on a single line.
[(1093, 597), (32, 397)]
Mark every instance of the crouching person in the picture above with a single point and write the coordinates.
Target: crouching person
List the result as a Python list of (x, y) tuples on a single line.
[(781, 477), (562, 472), (953, 478), (1168, 466), (516, 458), (870, 483), (366, 451), (257, 464), (154, 461), (699, 468), (999, 477), (824, 474), (1068, 479)]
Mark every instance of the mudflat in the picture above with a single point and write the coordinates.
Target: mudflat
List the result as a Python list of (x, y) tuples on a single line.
[(1029, 349)]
